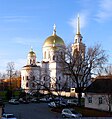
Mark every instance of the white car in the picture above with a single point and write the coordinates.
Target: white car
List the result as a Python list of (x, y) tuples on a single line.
[(13, 101), (52, 104), (70, 113), (8, 116), (57, 104)]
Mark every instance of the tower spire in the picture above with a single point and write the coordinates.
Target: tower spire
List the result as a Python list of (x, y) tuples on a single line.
[(78, 25), (54, 29)]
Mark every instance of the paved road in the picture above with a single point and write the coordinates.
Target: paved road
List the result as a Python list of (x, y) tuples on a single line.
[(37, 111), (32, 111)]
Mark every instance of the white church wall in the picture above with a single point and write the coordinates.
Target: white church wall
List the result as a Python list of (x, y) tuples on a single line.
[(29, 76)]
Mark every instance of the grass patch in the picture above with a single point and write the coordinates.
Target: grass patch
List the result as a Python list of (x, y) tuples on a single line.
[(86, 112)]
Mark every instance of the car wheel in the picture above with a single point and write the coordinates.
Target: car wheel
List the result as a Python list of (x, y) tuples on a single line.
[(63, 116)]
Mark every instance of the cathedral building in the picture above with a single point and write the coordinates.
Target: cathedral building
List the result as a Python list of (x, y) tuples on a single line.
[(49, 72)]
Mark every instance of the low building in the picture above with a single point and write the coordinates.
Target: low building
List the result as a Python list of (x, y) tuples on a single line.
[(13, 83), (99, 94)]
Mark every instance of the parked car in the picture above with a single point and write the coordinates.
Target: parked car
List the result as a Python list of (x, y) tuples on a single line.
[(35, 100), (2, 104), (71, 102), (70, 113), (62, 103), (14, 101), (24, 101), (58, 99), (57, 104), (44, 100), (8, 116), (52, 104)]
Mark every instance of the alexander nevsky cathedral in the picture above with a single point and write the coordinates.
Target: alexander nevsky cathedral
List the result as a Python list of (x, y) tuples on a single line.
[(48, 72)]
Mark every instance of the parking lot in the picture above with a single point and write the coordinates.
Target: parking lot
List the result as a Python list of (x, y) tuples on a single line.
[(32, 111), (37, 111)]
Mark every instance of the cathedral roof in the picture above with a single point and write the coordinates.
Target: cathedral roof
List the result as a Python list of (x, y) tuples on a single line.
[(30, 66)]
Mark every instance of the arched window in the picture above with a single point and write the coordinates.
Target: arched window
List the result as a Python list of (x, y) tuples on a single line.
[(30, 61), (44, 79), (27, 78), (62, 54), (33, 77), (27, 84), (100, 100), (33, 85), (23, 77), (52, 86), (57, 58), (49, 54), (33, 61), (45, 55), (53, 57), (75, 40), (59, 78)]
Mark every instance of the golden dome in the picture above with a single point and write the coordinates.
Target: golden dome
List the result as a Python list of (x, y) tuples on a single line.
[(31, 53), (54, 39)]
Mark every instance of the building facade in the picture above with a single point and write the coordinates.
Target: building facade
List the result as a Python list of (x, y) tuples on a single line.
[(99, 94), (49, 72)]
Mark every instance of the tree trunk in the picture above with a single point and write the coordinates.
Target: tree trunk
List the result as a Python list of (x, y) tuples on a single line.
[(109, 108), (79, 98)]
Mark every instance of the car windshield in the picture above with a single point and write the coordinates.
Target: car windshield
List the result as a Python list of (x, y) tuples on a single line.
[(10, 116)]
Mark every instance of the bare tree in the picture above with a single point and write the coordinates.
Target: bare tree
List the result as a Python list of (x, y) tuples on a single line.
[(105, 71), (80, 67), (34, 81), (108, 100), (10, 71), (43, 83), (2, 77)]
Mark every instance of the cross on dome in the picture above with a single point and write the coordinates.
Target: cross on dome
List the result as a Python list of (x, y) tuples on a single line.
[(54, 29), (31, 49)]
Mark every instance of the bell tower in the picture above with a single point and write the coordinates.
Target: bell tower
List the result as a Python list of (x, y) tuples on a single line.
[(78, 48), (31, 58)]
